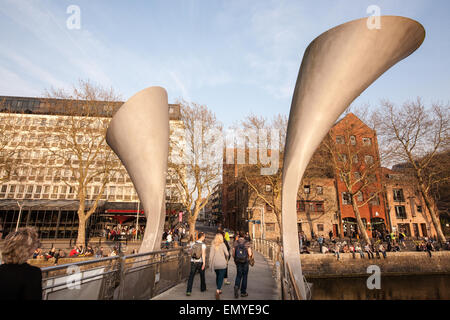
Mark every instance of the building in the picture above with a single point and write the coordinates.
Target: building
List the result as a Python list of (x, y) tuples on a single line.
[(405, 206), (40, 184), (358, 148)]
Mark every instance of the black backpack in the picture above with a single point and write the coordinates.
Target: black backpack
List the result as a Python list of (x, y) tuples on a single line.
[(241, 254)]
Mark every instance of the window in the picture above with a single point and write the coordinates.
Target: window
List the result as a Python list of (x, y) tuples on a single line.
[(342, 157), (368, 159), (360, 196), (301, 205), (400, 212), (346, 198), (355, 159), (319, 189), (367, 141), (270, 227), (340, 140), (320, 227), (419, 208), (307, 189), (357, 175), (353, 140), (398, 195), (319, 207), (268, 188), (311, 207), (375, 200)]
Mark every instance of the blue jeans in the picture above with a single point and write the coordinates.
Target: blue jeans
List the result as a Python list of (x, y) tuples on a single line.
[(241, 275), (220, 275)]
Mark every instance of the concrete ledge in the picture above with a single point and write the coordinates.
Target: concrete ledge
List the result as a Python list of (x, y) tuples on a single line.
[(396, 263)]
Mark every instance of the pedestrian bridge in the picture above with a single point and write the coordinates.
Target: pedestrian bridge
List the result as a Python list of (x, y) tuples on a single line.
[(162, 275)]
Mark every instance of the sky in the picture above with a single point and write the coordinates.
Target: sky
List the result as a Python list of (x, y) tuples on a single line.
[(236, 57)]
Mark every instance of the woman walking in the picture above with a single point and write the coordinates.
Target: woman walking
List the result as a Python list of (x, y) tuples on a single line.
[(218, 260)]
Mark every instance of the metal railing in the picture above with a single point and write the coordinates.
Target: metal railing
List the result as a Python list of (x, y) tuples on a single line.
[(138, 276), (272, 250)]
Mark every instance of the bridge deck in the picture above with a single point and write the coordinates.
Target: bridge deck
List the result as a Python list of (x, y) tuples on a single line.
[(260, 285)]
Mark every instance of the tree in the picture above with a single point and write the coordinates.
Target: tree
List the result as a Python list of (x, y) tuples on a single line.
[(356, 165), (77, 144), (9, 144), (416, 135), (196, 160)]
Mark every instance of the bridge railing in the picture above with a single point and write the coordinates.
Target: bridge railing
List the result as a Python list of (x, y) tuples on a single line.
[(138, 276), (272, 250)]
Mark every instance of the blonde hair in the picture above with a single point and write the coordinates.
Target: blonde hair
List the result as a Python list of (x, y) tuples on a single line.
[(19, 246), (218, 240)]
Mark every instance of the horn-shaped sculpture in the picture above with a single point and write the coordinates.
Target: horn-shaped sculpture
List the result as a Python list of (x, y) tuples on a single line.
[(336, 68), (139, 135)]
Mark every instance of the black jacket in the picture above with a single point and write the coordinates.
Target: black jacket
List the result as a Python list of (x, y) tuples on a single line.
[(20, 282)]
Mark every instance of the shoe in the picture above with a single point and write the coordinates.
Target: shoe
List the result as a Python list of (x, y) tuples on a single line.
[(217, 296), (188, 294), (236, 292), (244, 294)]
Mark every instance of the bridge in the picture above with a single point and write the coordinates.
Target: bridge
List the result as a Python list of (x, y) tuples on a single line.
[(162, 275)]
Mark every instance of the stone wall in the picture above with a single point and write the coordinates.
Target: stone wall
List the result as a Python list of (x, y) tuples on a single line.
[(396, 263)]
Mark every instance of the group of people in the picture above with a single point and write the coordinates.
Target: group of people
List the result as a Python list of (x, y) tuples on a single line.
[(220, 254), (175, 236), (123, 231)]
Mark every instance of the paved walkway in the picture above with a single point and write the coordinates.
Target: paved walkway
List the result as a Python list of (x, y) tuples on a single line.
[(260, 286)]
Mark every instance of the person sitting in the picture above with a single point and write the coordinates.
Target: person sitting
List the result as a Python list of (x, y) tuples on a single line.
[(74, 252)]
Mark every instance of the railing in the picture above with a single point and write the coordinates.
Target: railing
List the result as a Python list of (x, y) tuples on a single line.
[(138, 276), (272, 251)]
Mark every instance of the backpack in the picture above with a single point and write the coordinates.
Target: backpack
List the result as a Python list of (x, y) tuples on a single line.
[(241, 255), (197, 251)]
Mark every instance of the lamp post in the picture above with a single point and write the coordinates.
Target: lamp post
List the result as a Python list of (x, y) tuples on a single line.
[(20, 213)]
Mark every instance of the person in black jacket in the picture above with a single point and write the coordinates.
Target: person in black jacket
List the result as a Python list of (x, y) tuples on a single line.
[(18, 279)]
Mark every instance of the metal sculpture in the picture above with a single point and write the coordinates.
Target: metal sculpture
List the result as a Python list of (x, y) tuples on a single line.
[(139, 134), (336, 68)]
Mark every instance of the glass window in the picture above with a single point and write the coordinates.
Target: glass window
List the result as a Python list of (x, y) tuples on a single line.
[(346, 198), (353, 140), (368, 159), (319, 190), (400, 212), (360, 196), (340, 140), (320, 227), (367, 141), (398, 195), (307, 189)]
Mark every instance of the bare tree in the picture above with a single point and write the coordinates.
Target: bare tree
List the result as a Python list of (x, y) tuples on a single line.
[(197, 159), (416, 136), (77, 144), (356, 165), (9, 144)]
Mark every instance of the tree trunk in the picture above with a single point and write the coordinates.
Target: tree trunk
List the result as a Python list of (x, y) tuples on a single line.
[(81, 230), (361, 228), (430, 206)]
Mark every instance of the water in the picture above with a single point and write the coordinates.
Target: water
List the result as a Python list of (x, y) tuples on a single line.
[(423, 287)]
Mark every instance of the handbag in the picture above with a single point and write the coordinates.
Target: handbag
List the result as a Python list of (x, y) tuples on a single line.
[(251, 261)]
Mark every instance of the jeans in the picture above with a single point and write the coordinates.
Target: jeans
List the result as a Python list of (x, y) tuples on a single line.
[(196, 267), (220, 274), (241, 275)]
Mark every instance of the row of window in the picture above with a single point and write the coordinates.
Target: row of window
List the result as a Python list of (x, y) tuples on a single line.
[(347, 199), (310, 206), (400, 211), (365, 141), (65, 192), (368, 159)]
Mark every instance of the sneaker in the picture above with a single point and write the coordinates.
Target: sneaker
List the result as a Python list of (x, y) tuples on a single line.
[(236, 292), (188, 294), (244, 294)]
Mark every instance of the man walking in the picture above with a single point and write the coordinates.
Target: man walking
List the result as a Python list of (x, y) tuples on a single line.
[(198, 263), (241, 254)]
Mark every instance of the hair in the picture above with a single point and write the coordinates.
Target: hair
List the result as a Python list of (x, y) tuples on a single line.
[(218, 240), (241, 234), (200, 234), (20, 245)]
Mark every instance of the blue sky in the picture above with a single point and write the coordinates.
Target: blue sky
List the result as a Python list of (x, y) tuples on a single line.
[(237, 57)]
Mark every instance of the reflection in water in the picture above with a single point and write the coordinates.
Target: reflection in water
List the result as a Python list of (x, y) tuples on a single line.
[(425, 287)]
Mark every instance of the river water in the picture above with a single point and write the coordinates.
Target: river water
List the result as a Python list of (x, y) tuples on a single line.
[(423, 287)]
